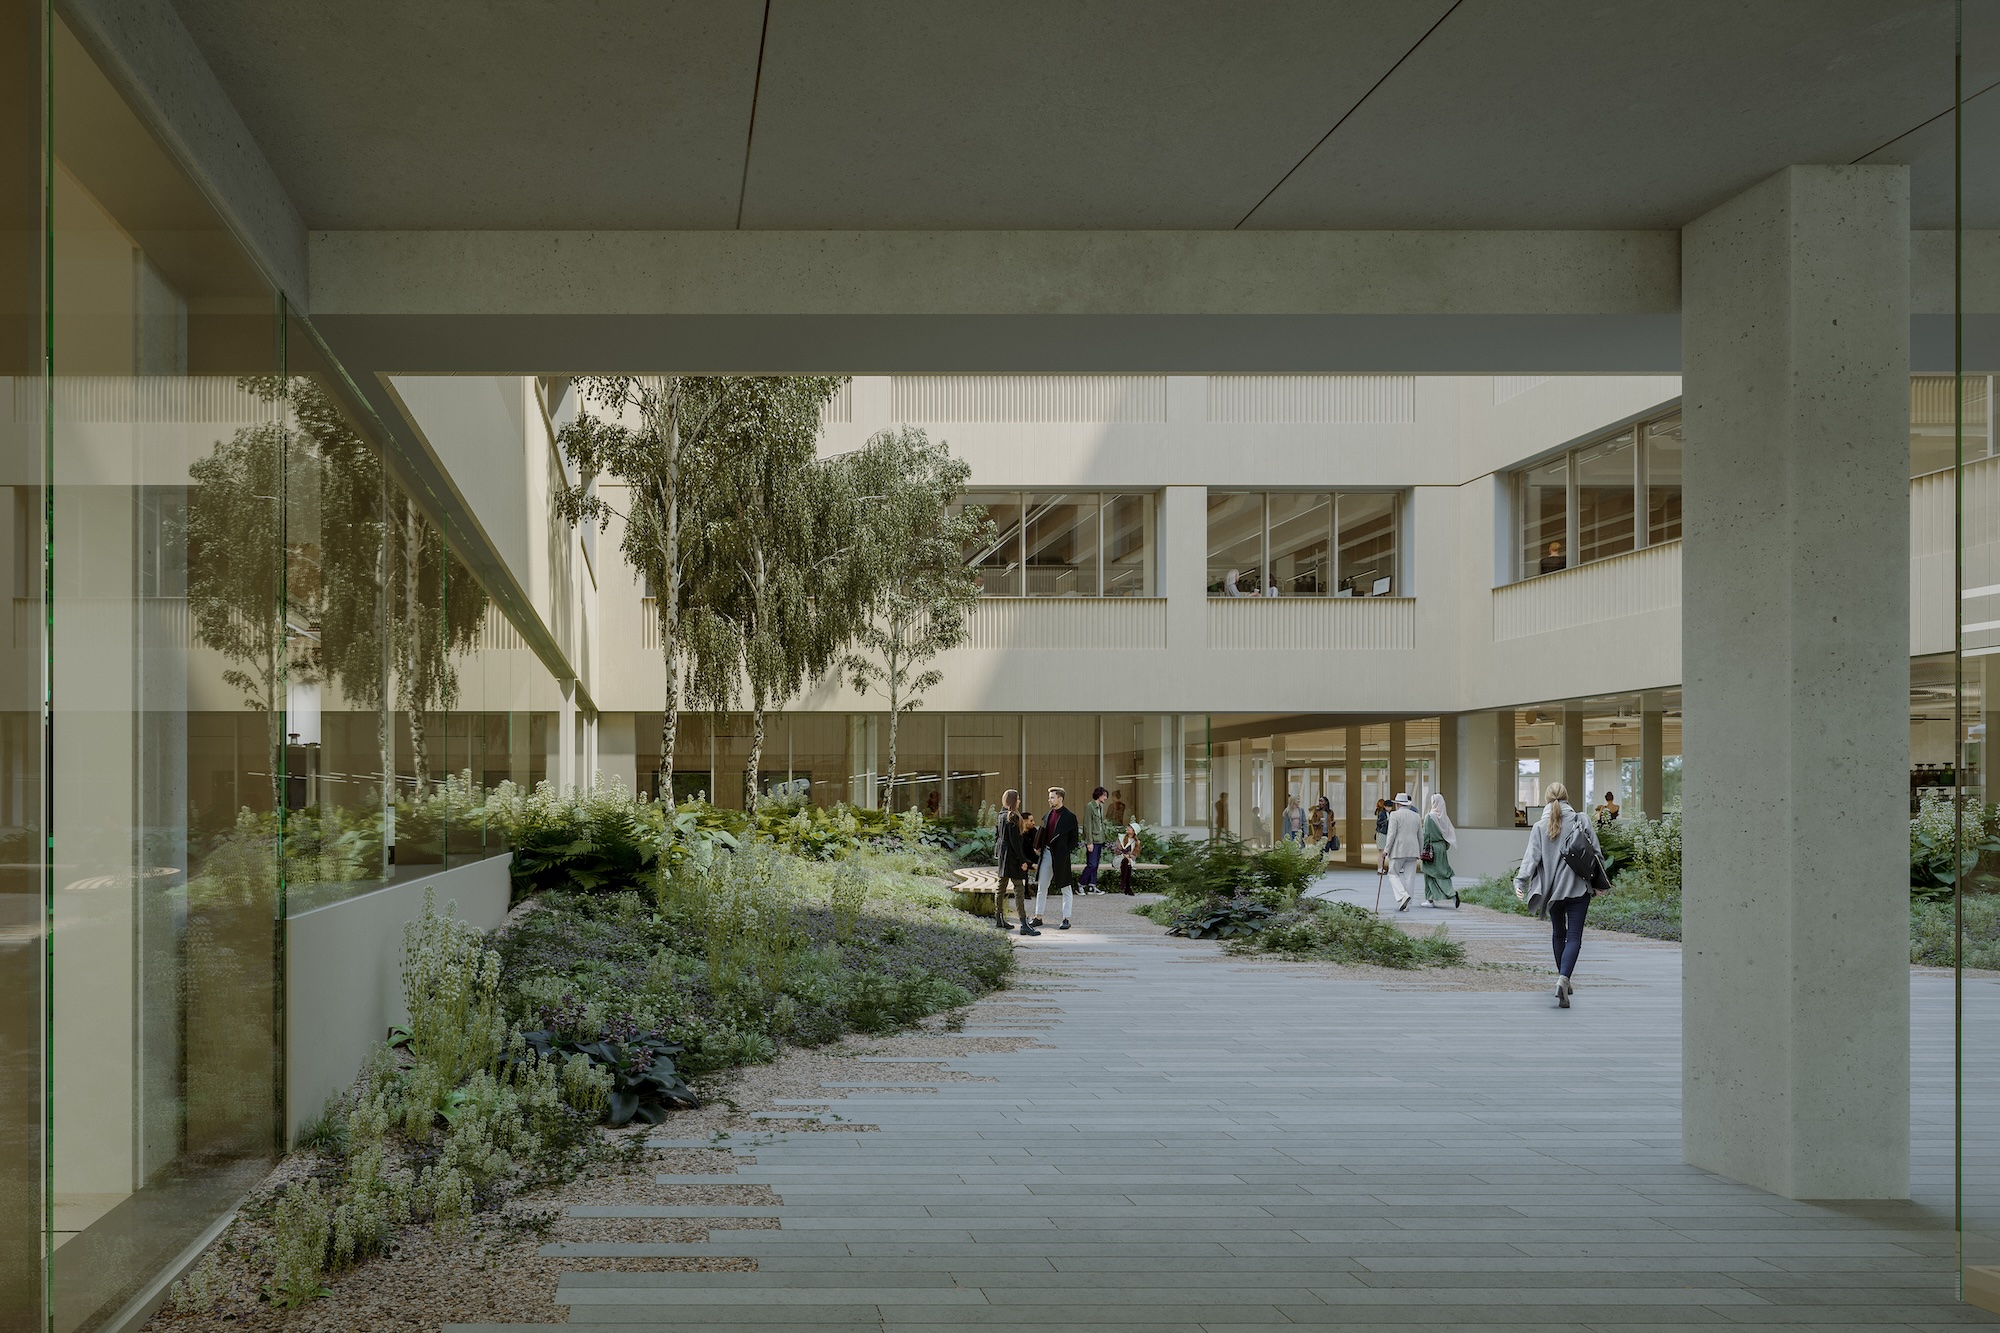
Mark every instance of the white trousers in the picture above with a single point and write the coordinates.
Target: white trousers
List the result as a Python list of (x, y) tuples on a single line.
[(1404, 875), (1042, 879)]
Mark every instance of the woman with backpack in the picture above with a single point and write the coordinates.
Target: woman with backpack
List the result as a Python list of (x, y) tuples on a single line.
[(1560, 872)]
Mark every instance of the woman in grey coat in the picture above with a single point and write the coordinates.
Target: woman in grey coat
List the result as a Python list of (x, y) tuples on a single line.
[(1555, 890)]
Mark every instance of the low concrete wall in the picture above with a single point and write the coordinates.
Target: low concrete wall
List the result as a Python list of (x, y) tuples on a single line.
[(1488, 851), (343, 975)]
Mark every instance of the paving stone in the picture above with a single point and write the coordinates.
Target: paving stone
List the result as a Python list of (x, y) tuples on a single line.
[(1198, 1144)]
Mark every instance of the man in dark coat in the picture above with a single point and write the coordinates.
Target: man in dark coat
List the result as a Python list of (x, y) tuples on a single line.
[(1059, 835)]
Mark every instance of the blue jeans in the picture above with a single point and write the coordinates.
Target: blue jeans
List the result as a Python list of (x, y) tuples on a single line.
[(1089, 879), (1566, 920)]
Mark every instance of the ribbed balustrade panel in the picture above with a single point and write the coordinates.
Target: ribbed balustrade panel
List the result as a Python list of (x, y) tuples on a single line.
[(1312, 399), (1095, 623), (1312, 624), (1624, 585), (1028, 398)]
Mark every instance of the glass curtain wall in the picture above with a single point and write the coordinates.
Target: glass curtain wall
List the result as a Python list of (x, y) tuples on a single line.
[(1586, 504), (271, 683), (23, 667)]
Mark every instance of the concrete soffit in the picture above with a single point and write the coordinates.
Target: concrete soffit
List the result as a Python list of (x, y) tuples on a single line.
[(145, 50)]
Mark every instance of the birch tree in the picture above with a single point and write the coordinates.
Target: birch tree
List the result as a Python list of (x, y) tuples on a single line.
[(774, 586), (924, 589)]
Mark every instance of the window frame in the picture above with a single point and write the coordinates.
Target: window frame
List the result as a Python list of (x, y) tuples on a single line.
[(1642, 447), (1398, 559), (1024, 502)]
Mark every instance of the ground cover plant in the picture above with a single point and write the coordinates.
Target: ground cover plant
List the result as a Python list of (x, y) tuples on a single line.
[(653, 945)]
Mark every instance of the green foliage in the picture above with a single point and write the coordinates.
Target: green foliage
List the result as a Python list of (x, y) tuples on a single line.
[(1345, 933), (1932, 932), (451, 983), (1656, 853), (642, 1082), (301, 1230), (197, 1292), (1222, 919), (1935, 831)]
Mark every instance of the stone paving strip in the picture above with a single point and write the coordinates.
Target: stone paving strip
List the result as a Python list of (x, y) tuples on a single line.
[(1200, 1144)]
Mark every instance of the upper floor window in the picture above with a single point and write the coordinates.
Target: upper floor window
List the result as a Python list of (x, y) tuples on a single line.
[(1934, 422), (1610, 496), (1065, 544), (1302, 543)]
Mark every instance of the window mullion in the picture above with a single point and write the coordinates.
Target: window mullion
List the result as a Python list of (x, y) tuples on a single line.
[(1641, 526)]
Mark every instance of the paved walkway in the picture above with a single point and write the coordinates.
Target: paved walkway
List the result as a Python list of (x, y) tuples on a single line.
[(1201, 1144)]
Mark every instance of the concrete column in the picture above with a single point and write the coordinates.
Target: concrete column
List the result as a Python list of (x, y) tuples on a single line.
[(1356, 833), (1447, 770), (1795, 625), (1652, 757), (1399, 757), (1183, 547), (1569, 770), (618, 749), (565, 764)]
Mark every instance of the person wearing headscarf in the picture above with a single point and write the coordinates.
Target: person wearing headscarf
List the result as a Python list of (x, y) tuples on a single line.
[(1439, 837)]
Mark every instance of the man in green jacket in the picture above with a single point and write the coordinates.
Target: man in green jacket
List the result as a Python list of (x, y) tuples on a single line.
[(1095, 834)]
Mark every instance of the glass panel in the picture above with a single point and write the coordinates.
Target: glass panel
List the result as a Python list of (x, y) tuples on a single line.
[(418, 662), (919, 751), (985, 757), (1301, 544), (1194, 809), (170, 654), (1933, 424), (694, 752), (1138, 750), (471, 741), (1128, 546), (1367, 566), (336, 718), (23, 666), (1606, 478), (1544, 496), (1235, 544), (998, 559), (1062, 752), (1062, 545), (818, 755), (1663, 480)]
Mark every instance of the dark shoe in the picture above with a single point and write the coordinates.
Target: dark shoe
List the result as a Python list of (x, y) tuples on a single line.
[(1454, 901), (1131, 893), (1036, 922), (1002, 923), (1063, 926), (1403, 906), (1029, 930)]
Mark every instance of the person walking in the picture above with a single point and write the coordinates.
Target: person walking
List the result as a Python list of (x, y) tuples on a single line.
[(1059, 834), (1096, 831), (1295, 821), (1013, 863), (1439, 837), (1402, 845), (1555, 889)]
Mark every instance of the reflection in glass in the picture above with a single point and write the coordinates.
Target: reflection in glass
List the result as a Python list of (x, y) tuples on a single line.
[(1544, 497), (1062, 545), (998, 558), (1367, 535), (1128, 546), (1663, 480), (1301, 544), (1934, 422), (1606, 477), (1235, 544)]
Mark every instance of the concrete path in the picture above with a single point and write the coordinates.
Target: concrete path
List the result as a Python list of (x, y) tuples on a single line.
[(1206, 1144)]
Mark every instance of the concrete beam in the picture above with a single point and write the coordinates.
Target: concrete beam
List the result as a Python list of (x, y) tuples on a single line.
[(146, 51)]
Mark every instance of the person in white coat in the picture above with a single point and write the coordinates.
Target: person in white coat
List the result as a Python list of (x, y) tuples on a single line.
[(1555, 889), (1402, 847)]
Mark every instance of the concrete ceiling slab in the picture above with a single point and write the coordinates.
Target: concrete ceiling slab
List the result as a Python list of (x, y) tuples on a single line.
[(499, 113), (1621, 115), (1054, 114)]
